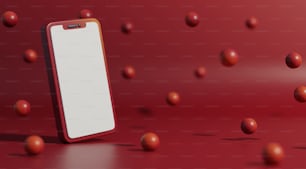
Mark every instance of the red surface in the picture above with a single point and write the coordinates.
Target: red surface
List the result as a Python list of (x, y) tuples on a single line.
[(203, 131)]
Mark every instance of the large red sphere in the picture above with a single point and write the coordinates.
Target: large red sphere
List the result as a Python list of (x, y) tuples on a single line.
[(86, 13), (150, 141), (22, 107), (248, 126), (293, 60), (173, 98), (34, 145), (9, 18), (200, 72), (127, 27), (229, 57), (192, 19), (252, 22), (30, 55), (273, 154), (129, 72), (300, 93)]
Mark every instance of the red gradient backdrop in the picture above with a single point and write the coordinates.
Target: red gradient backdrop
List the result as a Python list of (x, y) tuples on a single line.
[(203, 130)]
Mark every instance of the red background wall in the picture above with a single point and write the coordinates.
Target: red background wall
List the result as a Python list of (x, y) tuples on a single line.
[(165, 52)]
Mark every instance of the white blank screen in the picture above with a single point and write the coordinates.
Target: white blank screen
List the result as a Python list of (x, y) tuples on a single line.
[(82, 80)]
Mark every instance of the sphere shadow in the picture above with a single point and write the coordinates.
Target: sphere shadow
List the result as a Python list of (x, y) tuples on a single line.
[(241, 139)]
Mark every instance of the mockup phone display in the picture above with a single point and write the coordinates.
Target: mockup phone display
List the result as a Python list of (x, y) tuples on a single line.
[(80, 76)]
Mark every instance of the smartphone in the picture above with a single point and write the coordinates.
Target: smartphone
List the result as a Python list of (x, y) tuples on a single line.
[(80, 78)]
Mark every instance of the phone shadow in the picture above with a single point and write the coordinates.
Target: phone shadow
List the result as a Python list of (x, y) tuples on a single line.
[(51, 80), (12, 137)]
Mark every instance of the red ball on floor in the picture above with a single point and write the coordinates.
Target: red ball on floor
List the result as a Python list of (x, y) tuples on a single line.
[(200, 72), (9, 18), (252, 22), (229, 57), (300, 94), (86, 13), (192, 19), (30, 55), (173, 98), (22, 107), (248, 126), (293, 60), (34, 145), (127, 27), (273, 153), (129, 72), (150, 141)]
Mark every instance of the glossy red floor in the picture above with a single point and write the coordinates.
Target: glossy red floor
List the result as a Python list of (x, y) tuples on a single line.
[(203, 130)]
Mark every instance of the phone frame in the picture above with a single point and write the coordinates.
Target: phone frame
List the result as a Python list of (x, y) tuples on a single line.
[(59, 112)]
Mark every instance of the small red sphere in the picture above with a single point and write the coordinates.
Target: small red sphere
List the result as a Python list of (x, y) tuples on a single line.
[(173, 98), (300, 94), (22, 107), (293, 60), (86, 13), (9, 18), (34, 145), (248, 126), (200, 72), (192, 19), (129, 72), (30, 55), (127, 27), (273, 154), (252, 22), (150, 141), (229, 57)]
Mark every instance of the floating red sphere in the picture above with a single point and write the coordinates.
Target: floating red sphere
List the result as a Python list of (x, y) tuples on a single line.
[(173, 98), (86, 13), (229, 57), (34, 145), (22, 107), (127, 27), (192, 19), (252, 22), (150, 141), (9, 18), (248, 126), (200, 72), (273, 154), (30, 55), (129, 72), (300, 93), (293, 60)]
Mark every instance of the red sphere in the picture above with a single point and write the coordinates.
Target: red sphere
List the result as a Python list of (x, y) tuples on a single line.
[(9, 18), (192, 19), (300, 94), (86, 13), (127, 27), (229, 57), (293, 60), (200, 72), (252, 22), (248, 126), (273, 154), (34, 145), (30, 55), (129, 72), (150, 141), (173, 98), (22, 107)]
